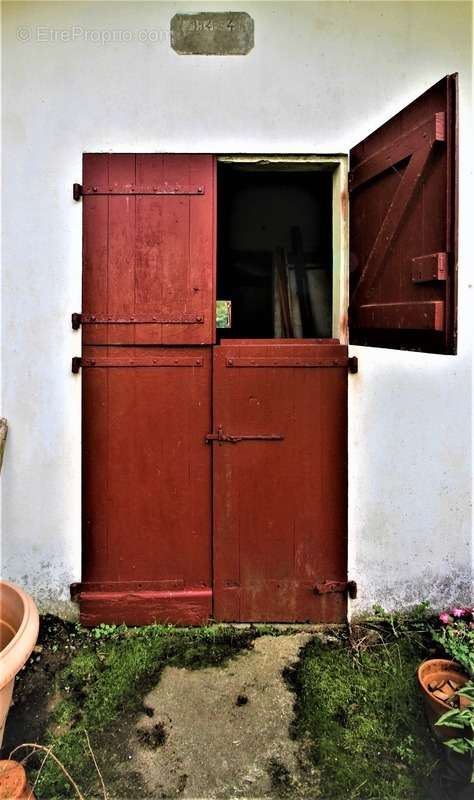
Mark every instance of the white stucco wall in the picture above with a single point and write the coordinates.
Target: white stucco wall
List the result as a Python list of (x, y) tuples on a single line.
[(321, 76)]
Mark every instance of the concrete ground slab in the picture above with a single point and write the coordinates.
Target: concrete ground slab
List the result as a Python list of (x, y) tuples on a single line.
[(224, 732)]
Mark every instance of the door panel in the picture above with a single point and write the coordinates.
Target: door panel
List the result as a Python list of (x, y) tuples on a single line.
[(149, 249), (403, 204), (147, 491), (280, 504)]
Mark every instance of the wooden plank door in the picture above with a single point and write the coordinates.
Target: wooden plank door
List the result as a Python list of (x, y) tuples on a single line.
[(148, 309), (403, 231), (149, 249), (280, 480), (147, 490)]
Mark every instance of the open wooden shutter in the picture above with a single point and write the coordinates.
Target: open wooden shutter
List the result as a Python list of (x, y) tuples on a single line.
[(149, 249), (403, 184)]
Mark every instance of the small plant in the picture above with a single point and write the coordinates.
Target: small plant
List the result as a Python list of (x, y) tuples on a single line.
[(105, 631), (456, 636), (461, 717)]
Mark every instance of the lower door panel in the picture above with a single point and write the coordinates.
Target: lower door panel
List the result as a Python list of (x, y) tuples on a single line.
[(280, 481), (147, 490)]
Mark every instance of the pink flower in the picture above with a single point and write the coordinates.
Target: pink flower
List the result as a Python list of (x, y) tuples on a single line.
[(457, 612), (444, 618)]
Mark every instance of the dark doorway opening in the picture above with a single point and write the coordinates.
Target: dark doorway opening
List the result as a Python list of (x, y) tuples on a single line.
[(274, 251)]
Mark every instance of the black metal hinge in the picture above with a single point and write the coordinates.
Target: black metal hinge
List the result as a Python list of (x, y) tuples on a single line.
[(337, 587), (353, 364), (75, 590), (76, 320), (76, 191), (76, 364)]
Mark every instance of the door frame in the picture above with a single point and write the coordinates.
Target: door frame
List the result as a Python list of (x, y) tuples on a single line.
[(338, 166)]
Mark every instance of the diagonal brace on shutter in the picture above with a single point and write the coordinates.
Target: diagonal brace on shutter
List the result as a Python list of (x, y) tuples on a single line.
[(408, 184)]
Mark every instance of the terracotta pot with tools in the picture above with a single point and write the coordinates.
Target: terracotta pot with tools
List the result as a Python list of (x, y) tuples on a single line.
[(439, 679)]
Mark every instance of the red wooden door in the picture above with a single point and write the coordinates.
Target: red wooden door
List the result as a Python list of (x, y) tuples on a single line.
[(280, 480), (403, 204), (147, 491), (149, 250), (148, 301)]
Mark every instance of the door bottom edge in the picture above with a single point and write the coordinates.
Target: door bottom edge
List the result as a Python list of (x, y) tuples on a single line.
[(186, 607)]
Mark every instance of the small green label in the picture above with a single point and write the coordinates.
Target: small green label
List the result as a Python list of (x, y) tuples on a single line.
[(223, 313)]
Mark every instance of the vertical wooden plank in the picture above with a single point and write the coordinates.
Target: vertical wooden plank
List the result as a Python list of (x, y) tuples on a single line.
[(121, 261), (202, 247), (95, 454), (95, 215)]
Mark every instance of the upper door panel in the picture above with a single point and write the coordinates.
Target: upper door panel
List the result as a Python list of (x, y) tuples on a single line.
[(403, 227), (149, 249)]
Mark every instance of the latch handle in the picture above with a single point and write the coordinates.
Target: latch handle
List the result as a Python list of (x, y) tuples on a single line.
[(222, 437)]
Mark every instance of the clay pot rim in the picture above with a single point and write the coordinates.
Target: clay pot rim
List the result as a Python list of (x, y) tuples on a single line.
[(446, 665), (19, 649)]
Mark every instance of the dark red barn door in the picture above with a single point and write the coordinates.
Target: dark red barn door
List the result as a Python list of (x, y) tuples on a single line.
[(149, 250), (403, 228), (280, 481), (148, 301)]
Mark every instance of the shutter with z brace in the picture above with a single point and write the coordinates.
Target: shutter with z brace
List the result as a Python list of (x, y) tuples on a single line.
[(403, 183)]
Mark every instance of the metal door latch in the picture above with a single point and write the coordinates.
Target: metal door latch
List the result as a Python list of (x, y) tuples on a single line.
[(337, 587), (222, 437)]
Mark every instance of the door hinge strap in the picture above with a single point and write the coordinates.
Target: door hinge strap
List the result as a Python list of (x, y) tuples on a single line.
[(134, 319), (222, 437), (131, 189), (183, 361), (286, 362), (337, 587)]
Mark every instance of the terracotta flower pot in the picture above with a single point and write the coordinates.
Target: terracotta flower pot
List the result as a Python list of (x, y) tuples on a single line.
[(13, 782), (19, 626), (439, 679)]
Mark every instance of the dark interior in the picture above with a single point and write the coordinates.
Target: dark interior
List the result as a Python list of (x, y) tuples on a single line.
[(274, 251)]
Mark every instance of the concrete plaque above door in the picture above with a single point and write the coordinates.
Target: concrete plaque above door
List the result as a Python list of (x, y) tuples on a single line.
[(212, 33)]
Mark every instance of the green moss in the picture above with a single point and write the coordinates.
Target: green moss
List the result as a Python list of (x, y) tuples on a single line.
[(107, 679), (365, 720), (357, 704)]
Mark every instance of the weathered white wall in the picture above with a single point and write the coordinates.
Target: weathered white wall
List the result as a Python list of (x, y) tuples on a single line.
[(321, 76)]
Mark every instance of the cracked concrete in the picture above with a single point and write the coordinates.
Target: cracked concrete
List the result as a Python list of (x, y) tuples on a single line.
[(224, 732)]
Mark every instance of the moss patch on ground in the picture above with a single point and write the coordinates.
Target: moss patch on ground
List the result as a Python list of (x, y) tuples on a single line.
[(100, 692), (358, 702)]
